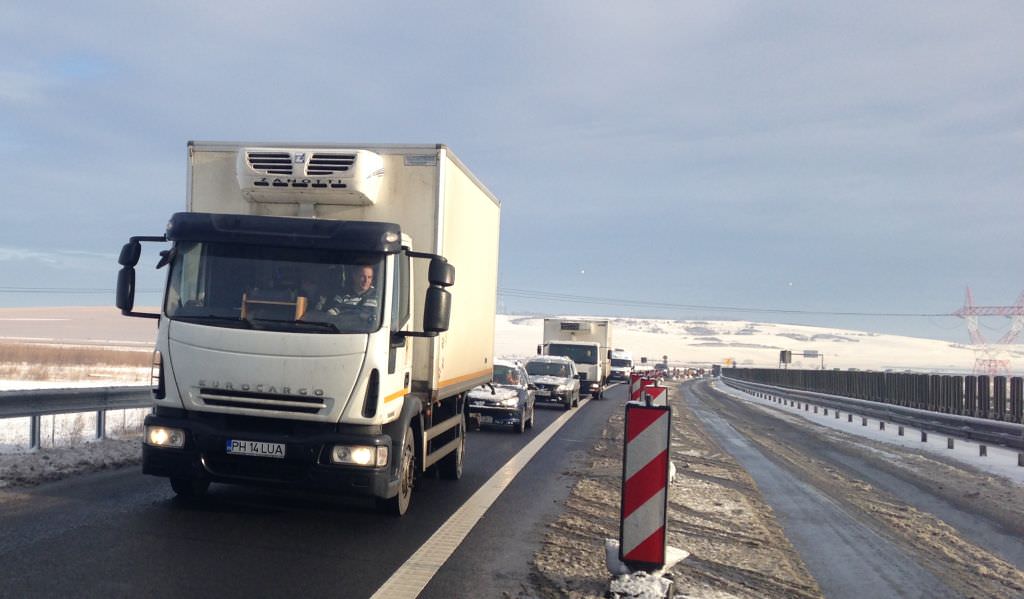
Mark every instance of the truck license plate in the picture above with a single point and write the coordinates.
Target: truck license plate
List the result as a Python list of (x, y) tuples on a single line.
[(255, 448)]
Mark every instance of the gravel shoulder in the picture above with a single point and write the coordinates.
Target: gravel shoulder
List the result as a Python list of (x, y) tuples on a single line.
[(737, 547)]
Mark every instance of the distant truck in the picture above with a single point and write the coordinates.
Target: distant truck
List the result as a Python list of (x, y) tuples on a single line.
[(307, 337), (621, 365), (587, 343)]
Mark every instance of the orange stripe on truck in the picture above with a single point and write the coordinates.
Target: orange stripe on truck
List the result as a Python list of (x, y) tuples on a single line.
[(396, 395)]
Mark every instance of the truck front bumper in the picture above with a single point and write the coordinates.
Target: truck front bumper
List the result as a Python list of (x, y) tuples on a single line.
[(306, 463)]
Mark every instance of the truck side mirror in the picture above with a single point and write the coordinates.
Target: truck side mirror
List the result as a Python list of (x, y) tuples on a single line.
[(130, 253), (540, 350), (125, 294), (441, 273), (437, 310), (609, 354)]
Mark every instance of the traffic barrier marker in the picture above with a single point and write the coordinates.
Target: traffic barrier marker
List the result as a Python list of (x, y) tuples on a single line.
[(645, 470), (982, 451), (949, 443)]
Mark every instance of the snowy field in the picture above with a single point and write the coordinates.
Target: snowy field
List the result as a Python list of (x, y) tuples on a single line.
[(697, 343), (756, 345)]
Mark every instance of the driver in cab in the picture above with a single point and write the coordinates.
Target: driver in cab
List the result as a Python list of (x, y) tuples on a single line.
[(361, 292)]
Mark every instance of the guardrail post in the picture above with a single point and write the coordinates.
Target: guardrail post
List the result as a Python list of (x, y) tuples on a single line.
[(101, 424), (999, 398), (1017, 399), (971, 395), (34, 426), (984, 392), (924, 437), (958, 395)]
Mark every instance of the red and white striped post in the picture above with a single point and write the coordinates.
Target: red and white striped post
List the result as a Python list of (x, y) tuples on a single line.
[(655, 396), (635, 386), (645, 467)]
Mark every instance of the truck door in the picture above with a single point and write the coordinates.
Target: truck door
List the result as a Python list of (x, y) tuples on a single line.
[(395, 380)]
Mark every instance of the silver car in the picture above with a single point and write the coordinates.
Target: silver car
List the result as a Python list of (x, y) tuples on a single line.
[(556, 379)]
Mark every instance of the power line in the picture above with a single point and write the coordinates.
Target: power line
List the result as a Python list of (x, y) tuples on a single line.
[(584, 299)]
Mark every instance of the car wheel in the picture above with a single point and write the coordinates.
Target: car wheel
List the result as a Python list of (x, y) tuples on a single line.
[(399, 504), (521, 425), (576, 402), (190, 488), (533, 415)]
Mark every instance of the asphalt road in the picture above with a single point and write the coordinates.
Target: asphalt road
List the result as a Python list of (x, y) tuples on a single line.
[(844, 547), (120, 533)]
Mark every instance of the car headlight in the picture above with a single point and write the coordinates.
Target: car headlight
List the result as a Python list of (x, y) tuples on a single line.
[(509, 403), (564, 388), (360, 455)]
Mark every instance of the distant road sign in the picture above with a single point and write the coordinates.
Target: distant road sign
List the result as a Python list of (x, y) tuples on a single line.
[(810, 353)]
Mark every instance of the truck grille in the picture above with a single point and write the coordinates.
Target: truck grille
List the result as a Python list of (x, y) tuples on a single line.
[(295, 404), (322, 164), (271, 163)]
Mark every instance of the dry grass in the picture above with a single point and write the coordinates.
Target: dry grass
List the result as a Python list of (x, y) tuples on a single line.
[(38, 362)]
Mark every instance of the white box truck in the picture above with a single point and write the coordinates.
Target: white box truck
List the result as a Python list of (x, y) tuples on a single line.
[(588, 343), (307, 337), (621, 365)]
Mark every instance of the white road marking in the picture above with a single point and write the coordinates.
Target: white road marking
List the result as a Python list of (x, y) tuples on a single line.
[(412, 577)]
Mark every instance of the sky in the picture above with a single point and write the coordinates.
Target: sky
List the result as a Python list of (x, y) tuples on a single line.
[(781, 162)]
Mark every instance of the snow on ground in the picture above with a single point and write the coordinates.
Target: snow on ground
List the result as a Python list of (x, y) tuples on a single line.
[(753, 344), (1001, 461), (685, 342)]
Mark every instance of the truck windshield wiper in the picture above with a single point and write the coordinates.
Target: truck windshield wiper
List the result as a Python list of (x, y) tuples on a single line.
[(328, 327), (204, 318)]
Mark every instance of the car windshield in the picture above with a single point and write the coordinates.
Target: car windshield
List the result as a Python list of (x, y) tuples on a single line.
[(581, 354), (282, 289), (548, 369), (505, 375), (621, 362)]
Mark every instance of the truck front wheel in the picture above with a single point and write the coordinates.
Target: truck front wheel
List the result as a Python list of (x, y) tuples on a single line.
[(399, 504)]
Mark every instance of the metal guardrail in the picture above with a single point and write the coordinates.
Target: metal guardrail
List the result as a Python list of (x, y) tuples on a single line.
[(967, 427), (36, 403)]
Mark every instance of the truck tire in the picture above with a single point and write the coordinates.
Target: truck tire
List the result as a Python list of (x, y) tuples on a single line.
[(599, 394), (450, 466), (190, 488), (399, 504)]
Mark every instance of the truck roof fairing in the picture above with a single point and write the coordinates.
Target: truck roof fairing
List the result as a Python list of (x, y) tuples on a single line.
[(356, 236)]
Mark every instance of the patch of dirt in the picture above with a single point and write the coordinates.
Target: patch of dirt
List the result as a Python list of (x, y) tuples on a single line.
[(716, 513)]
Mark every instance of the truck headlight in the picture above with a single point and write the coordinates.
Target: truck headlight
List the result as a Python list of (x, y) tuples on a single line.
[(163, 436), (360, 455)]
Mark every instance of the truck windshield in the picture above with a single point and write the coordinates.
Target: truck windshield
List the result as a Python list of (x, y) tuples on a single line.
[(619, 362), (581, 354), (301, 290)]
